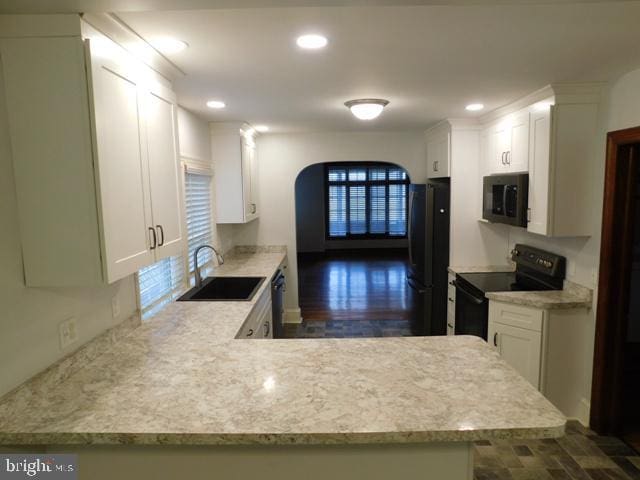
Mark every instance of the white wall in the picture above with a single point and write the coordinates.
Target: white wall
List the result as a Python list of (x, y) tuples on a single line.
[(195, 144), (473, 243), (282, 156), (29, 317)]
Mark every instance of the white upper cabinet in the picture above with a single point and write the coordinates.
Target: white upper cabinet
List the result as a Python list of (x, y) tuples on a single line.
[(438, 140), (511, 144), (235, 157), (561, 169), (164, 177), (551, 139), (93, 135)]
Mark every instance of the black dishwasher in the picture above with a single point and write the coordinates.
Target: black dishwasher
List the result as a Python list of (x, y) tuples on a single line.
[(277, 292)]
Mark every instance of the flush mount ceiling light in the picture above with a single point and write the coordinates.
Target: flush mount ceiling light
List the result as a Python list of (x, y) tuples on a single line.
[(474, 107), (262, 128), (217, 104), (168, 45), (366, 108), (312, 41)]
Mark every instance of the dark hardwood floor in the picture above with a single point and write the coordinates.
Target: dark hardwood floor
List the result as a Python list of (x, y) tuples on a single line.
[(358, 293)]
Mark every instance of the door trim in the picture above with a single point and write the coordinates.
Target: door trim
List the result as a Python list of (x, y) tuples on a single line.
[(613, 287)]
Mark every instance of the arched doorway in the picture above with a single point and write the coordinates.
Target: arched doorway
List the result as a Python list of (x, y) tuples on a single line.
[(351, 236)]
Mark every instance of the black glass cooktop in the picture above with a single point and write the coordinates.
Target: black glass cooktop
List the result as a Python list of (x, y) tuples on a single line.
[(501, 282)]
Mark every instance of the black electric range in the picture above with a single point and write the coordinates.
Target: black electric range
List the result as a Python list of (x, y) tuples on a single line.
[(535, 270)]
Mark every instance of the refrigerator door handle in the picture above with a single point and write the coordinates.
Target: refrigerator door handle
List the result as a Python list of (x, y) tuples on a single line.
[(413, 285), (409, 229)]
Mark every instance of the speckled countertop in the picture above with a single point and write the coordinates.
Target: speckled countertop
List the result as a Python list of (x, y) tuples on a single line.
[(573, 295), (182, 378)]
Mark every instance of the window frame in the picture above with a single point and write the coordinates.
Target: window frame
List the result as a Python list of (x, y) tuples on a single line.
[(367, 183)]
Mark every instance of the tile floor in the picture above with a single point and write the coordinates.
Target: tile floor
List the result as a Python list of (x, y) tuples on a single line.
[(579, 455), (348, 328)]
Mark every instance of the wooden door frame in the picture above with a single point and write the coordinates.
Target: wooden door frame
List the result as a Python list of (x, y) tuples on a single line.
[(613, 286)]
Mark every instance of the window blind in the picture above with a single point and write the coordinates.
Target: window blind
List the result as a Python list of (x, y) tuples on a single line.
[(199, 222), (159, 284), (162, 282), (366, 200)]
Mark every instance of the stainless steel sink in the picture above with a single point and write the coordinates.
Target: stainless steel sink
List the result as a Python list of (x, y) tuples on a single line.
[(219, 289)]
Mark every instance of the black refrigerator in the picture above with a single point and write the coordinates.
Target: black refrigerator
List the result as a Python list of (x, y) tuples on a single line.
[(428, 236)]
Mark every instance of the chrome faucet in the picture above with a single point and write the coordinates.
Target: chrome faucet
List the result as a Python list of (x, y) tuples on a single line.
[(196, 269)]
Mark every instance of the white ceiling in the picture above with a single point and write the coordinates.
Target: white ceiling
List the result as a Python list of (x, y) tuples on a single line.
[(429, 61)]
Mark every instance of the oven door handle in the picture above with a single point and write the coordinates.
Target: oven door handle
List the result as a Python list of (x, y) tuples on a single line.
[(471, 296)]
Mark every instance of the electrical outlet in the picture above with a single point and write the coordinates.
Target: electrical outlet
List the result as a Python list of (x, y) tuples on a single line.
[(115, 306), (68, 331)]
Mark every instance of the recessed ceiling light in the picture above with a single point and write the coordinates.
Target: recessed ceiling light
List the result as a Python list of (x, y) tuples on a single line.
[(262, 128), (168, 45), (312, 41), (474, 107), (366, 108), (217, 104)]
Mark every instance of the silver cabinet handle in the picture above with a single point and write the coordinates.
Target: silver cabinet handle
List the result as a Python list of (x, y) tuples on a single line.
[(155, 239), (435, 166), (253, 208), (267, 329), (502, 158), (451, 300), (161, 230), (495, 339), (507, 158), (250, 332)]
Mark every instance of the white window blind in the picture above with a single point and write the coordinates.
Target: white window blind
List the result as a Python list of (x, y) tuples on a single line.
[(199, 223), (366, 201), (162, 282), (159, 284)]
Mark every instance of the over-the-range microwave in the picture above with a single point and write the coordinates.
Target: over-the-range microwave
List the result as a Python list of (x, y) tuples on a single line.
[(505, 198)]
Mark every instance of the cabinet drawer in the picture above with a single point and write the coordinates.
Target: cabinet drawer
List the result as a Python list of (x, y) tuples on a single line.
[(516, 315)]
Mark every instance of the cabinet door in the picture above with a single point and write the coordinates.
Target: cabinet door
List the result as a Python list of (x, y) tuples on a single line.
[(255, 200), (160, 114), (520, 348), (122, 170), (501, 144), (539, 167), (438, 155), (518, 156), (247, 154)]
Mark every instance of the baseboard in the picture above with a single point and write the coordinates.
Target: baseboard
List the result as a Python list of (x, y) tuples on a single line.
[(582, 413), (292, 315)]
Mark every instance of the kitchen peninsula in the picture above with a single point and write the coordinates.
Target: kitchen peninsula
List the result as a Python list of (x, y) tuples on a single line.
[(180, 395)]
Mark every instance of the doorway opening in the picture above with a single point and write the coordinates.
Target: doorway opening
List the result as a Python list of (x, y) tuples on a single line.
[(352, 251), (616, 376)]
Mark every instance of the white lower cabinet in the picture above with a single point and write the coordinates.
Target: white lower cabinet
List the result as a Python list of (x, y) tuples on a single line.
[(516, 333), (259, 323)]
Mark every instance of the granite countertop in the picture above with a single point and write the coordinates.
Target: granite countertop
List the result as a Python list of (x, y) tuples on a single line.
[(573, 295), (182, 378)]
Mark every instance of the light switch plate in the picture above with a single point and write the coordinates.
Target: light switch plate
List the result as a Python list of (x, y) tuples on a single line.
[(68, 331)]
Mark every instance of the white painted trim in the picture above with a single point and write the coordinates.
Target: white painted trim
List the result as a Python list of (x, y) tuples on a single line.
[(196, 166), (292, 315), (117, 30), (583, 412)]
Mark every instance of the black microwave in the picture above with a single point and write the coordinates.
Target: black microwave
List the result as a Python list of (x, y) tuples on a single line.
[(505, 198)]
